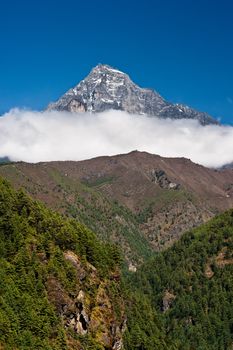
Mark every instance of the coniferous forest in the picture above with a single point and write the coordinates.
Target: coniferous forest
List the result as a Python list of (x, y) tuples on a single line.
[(61, 288)]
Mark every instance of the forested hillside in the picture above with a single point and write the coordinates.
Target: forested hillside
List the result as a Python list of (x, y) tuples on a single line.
[(59, 286), (140, 201), (190, 287)]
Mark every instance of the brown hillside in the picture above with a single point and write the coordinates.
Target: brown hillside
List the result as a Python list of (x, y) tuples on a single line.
[(160, 197)]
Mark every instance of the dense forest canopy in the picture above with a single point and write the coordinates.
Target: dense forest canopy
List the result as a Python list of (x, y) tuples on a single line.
[(33, 241), (190, 288)]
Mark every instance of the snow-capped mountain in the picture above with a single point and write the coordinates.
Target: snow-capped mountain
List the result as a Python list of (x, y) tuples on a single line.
[(107, 88)]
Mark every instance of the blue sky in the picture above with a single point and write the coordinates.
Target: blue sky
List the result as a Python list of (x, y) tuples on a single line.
[(181, 48)]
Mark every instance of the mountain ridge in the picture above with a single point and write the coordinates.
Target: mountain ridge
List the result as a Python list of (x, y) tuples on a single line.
[(107, 88), (141, 201)]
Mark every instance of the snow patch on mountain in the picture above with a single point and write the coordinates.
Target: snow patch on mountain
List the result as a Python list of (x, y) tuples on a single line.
[(107, 88)]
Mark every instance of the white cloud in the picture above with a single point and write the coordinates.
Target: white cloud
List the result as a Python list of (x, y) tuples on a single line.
[(45, 136)]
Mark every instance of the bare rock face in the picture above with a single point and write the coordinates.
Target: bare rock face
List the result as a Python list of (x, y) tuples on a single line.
[(168, 299), (159, 177), (89, 309), (107, 88)]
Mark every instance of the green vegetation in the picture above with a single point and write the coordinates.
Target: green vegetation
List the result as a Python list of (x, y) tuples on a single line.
[(112, 222), (190, 290), (150, 221), (163, 199), (145, 329), (33, 240), (180, 299), (103, 180), (107, 218)]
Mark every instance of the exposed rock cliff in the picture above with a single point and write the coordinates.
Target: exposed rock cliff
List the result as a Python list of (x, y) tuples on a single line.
[(107, 88)]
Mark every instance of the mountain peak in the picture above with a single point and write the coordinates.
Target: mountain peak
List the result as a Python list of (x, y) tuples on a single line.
[(106, 68), (107, 88)]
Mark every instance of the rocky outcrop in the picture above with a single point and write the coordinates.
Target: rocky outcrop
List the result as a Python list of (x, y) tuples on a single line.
[(229, 190), (223, 258), (132, 268), (168, 299), (107, 88), (160, 178), (90, 310)]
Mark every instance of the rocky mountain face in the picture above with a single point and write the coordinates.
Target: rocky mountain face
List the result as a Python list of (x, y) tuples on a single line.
[(142, 202), (107, 88)]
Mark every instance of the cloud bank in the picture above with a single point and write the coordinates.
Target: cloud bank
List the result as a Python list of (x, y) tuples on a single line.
[(48, 136)]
